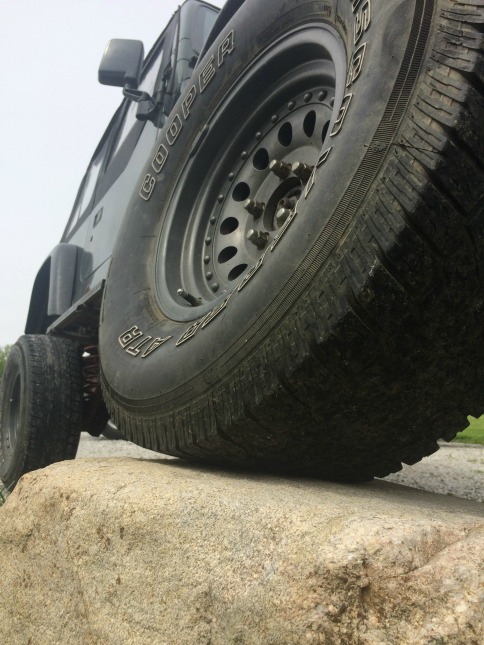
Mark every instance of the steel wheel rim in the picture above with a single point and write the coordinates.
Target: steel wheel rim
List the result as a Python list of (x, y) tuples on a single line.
[(205, 248), (10, 431)]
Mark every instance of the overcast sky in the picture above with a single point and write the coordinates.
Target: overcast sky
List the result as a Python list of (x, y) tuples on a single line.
[(52, 114)]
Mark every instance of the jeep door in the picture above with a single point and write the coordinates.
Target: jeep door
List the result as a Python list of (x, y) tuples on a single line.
[(114, 172)]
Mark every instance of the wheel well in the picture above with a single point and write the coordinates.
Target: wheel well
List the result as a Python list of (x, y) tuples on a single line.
[(37, 318), (53, 288)]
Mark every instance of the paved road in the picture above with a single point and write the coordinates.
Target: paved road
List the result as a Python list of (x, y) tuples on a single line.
[(456, 469)]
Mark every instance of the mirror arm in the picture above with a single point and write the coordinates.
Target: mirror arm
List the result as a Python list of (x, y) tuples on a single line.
[(147, 109), (136, 95)]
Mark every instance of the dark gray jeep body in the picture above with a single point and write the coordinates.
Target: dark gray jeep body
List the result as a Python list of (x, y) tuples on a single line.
[(68, 286)]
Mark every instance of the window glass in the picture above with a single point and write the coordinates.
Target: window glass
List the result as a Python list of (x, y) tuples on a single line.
[(90, 184), (147, 84), (204, 22), (85, 194)]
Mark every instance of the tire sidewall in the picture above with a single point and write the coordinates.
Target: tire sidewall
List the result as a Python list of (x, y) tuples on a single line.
[(136, 338), (11, 462)]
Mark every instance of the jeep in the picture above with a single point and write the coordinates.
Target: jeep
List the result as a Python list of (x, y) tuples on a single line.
[(275, 257)]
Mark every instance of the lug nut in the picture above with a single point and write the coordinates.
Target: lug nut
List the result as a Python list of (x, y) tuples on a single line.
[(188, 297), (287, 202), (280, 168), (303, 171), (256, 209), (282, 215), (258, 238)]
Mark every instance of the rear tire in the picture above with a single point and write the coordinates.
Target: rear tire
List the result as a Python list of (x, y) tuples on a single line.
[(41, 404), (351, 339)]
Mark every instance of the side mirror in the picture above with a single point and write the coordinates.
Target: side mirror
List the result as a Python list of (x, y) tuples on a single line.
[(121, 63)]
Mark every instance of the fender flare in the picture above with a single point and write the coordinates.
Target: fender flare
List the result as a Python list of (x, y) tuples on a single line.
[(53, 288)]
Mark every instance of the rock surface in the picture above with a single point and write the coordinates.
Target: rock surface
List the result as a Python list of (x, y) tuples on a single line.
[(124, 551)]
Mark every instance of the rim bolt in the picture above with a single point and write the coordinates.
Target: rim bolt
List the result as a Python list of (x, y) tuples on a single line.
[(206, 259), (322, 95), (258, 238), (256, 209), (280, 168), (208, 241), (287, 202), (215, 287), (282, 215), (303, 171), (188, 297), (307, 97)]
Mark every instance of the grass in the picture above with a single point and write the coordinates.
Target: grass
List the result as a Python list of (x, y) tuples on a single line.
[(474, 433), (3, 494)]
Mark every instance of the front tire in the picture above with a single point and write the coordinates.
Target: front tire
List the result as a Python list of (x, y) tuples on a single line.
[(344, 336), (41, 404)]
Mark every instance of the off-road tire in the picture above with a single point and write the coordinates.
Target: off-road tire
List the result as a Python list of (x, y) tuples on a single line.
[(41, 402), (355, 341)]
